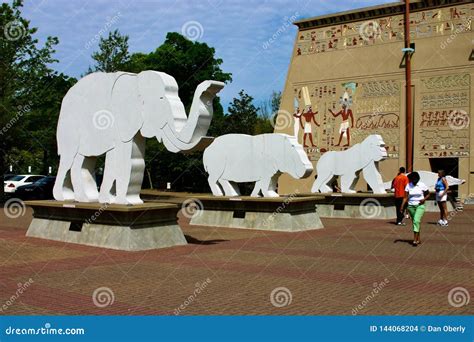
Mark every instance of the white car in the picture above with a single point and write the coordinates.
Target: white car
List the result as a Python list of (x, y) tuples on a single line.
[(12, 184)]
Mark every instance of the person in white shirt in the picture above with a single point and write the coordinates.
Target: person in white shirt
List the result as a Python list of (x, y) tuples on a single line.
[(416, 194)]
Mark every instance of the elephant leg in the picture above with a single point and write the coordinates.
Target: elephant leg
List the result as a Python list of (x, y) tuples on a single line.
[(215, 188), (83, 180), (63, 190), (229, 188), (107, 189), (130, 168), (269, 186), (348, 182), (373, 178)]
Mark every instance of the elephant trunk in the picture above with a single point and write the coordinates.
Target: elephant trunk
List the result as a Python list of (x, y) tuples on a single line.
[(189, 135)]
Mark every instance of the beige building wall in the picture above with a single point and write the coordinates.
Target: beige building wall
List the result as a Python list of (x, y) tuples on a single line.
[(362, 59)]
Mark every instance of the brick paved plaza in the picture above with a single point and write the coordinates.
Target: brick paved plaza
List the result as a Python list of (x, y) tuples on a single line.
[(350, 267)]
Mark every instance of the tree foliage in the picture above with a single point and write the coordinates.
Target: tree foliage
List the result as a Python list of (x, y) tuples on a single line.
[(113, 53), (26, 86)]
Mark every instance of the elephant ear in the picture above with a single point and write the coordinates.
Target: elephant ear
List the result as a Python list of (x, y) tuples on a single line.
[(160, 103), (125, 105)]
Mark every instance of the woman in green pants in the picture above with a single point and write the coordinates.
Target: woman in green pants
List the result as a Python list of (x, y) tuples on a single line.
[(416, 193)]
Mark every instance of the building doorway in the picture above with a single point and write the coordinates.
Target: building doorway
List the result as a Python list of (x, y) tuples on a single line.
[(450, 166)]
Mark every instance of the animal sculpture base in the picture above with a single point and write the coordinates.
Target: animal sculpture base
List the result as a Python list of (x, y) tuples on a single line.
[(128, 228), (358, 205), (286, 214), (431, 205)]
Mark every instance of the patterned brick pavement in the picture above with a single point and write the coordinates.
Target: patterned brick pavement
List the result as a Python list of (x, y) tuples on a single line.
[(361, 267)]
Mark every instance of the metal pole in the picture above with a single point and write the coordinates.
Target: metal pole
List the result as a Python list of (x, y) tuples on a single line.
[(409, 116)]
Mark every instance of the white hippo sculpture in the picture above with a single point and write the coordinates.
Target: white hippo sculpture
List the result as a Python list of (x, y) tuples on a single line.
[(238, 158)]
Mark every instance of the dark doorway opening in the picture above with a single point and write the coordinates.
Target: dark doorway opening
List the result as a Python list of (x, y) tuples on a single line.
[(450, 166)]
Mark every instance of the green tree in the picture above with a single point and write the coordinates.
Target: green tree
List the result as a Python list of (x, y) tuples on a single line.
[(243, 115), (41, 121), (113, 53), (267, 111), (189, 63), (23, 64)]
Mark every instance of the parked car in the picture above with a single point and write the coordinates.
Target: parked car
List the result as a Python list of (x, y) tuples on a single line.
[(12, 184), (8, 177), (39, 190)]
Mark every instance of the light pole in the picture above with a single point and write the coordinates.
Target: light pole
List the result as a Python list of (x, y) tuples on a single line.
[(409, 117)]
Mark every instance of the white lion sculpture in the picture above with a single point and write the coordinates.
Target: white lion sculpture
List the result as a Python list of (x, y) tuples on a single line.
[(347, 164), (238, 158)]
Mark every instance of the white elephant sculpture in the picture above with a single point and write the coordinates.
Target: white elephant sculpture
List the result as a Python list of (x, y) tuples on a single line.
[(112, 114), (348, 164), (237, 158)]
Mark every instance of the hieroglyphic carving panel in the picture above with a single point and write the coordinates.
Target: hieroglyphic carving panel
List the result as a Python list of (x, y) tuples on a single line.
[(375, 108), (443, 125), (436, 22)]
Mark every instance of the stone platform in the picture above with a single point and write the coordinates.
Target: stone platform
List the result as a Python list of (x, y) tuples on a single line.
[(431, 205), (356, 205), (129, 228), (287, 214)]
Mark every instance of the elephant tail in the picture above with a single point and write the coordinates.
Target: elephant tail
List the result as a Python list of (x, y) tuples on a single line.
[(205, 159)]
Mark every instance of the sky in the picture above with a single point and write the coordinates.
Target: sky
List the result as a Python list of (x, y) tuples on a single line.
[(253, 37)]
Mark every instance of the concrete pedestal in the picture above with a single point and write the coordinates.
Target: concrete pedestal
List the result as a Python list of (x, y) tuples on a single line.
[(357, 205), (431, 206), (128, 228), (286, 214)]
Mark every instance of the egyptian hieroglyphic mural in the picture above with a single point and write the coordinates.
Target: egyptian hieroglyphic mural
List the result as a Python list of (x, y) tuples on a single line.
[(347, 113), (444, 21), (443, 125)]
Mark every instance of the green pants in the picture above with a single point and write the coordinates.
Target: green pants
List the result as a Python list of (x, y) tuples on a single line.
[(416, 213)]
